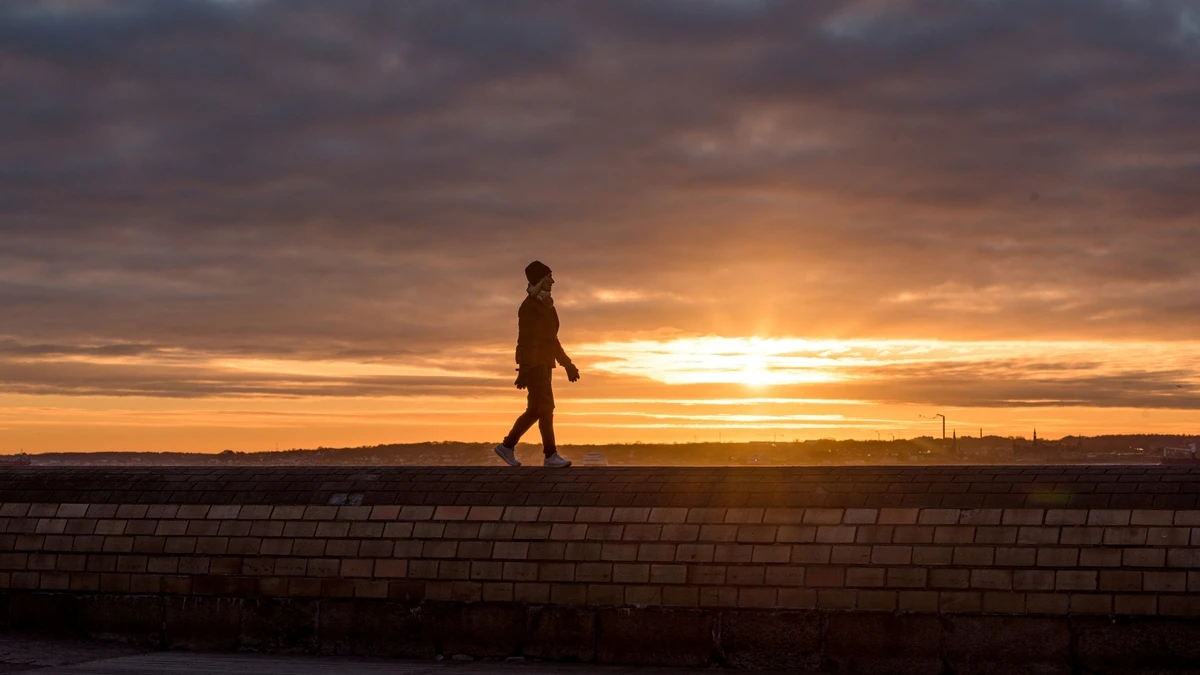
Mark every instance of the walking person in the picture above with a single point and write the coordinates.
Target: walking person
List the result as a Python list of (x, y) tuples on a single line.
[(538, 350)]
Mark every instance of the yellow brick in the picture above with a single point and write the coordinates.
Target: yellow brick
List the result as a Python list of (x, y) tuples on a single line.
[(837, 598), (416, 513), (485, 513), (668, 574), (778, 516), (643, 595), (767, 553), (679, 532), (748, 516), (353, 513), (605, 594), (668, 515), (571, 531), (757, 597), (391, 568), (876, 601), (656, 552), (630, 514), (533, 593), (551, 572), (559, 514), (706, 515), (593, 514), (631, 573), (498, 592), (680, 596), (357, 567), (451, 513), (511, 550), (568, 594), (520, 571), (718, 596), (823, 516)]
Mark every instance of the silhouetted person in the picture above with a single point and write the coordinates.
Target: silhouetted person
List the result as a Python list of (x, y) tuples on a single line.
[(537, 351)]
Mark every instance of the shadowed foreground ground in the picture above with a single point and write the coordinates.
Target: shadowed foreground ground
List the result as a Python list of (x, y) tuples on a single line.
[(51, 655)]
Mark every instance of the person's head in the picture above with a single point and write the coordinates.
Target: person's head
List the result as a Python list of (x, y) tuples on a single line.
[(536, 272)]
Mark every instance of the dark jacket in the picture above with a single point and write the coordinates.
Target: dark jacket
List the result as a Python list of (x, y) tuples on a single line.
[(537, 335)]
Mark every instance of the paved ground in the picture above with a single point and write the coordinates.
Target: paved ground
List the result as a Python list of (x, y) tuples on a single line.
[(44, 655), (20, 652)]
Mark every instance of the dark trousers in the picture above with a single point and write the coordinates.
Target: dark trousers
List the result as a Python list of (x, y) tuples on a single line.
[(540, 409)]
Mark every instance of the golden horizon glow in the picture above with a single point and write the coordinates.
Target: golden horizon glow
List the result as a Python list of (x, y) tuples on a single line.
[(759, 361), (755, 362), (675, 389), (337, 369)]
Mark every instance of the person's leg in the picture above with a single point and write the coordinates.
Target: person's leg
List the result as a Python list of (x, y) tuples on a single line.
[(546, 426), (525, 421), (542, 396), (522, 425)]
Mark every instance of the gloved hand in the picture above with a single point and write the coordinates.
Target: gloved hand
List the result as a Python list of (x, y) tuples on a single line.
[(572, 372)]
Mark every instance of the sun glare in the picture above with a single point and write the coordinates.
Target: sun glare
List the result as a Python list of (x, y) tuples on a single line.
[(753, 362), (763, 362)]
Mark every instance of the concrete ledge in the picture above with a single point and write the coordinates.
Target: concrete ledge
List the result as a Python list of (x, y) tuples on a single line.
[(804, 641), (879, 643), (958, 487), (384, 629), (657, 636), (774, 641)]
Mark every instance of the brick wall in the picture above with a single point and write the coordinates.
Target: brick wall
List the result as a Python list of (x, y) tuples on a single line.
[(937, 542), (924, 560)]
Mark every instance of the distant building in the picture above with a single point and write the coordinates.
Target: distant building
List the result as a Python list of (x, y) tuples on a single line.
[(594, 459), (1180, 455), (15, 460), (1039, 450)]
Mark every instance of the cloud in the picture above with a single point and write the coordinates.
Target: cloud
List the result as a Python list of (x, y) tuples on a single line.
[(366, 180)]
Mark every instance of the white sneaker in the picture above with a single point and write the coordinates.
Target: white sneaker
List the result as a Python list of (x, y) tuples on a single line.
[(507, 455), (557, 461)]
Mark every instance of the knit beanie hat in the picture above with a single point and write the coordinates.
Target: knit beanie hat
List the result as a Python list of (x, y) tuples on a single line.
[(536, 271)]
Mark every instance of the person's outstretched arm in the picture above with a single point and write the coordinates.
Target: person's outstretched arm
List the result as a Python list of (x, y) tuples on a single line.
[(560, 355)]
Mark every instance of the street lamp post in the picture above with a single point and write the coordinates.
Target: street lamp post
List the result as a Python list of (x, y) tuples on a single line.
[(943, 422)]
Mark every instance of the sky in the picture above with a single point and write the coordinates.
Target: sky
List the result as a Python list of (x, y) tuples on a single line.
[(248, 224)]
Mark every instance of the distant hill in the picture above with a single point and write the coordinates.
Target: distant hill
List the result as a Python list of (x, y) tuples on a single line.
[(923, 450)]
